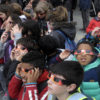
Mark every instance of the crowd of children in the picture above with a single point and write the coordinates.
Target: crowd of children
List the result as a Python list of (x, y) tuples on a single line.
[(39, 59)]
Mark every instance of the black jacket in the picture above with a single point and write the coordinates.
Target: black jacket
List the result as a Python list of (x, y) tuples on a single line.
[(67, 28)]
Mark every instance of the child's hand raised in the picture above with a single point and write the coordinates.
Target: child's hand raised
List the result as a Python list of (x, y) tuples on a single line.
[(4, 37), (96, 32), (64, 54), (33, 75)]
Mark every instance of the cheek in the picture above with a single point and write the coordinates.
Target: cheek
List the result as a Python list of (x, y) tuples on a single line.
[(89, 59)]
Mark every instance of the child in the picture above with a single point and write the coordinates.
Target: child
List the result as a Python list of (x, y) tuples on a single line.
[(95, 22), (64, 80), (29, 81), (86, 55)]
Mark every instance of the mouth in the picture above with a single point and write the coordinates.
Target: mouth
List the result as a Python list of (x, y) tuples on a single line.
[(83, 59)]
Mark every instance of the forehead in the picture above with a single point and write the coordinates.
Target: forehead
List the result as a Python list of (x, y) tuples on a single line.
[(84, 47), (58, 76), (25, 65)]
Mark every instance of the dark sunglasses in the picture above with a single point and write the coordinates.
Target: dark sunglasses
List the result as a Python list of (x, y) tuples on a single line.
[(22, 48)]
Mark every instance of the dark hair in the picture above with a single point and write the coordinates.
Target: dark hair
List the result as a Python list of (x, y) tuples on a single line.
[(85, 42), (15, 18), (35, 58), (31, 29), (48, 44), (34, 3), (27, 43), (70, 70)]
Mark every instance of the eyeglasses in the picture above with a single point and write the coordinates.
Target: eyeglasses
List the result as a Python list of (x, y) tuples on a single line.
[(22, 48), (55, 79), (78, 52), (26, 70)]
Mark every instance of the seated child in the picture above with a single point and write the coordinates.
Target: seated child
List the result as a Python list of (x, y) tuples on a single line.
[(86, 55), (29, 81), (64, 79)]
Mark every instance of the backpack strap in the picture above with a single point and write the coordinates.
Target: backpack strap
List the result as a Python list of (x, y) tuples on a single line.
[(69, 44)]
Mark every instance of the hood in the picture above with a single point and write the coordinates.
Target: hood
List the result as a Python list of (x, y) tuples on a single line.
[(67, 28), (96, 18)]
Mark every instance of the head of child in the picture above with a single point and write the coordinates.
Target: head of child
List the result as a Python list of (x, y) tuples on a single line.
[(24, 45), (64, 79), (41, 9), (32, 64), (49, 45), (85, 53)]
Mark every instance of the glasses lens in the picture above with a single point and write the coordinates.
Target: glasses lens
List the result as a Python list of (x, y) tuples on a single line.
[(56, 79)]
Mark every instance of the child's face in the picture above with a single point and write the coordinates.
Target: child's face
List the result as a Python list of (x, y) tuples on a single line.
[(54, 85), (25, 71), (20, 50), (41, 15), (86, 55)]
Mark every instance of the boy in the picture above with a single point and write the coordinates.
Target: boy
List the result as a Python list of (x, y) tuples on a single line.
[(29, 81), (64, 80)]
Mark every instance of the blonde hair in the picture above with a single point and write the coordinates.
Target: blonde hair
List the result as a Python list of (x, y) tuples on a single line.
[(57, 14), (16, 8), (42, 6)]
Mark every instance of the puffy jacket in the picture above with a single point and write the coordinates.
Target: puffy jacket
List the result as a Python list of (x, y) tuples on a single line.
[(95, 22)]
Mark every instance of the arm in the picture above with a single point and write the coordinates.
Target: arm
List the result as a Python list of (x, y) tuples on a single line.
[(90, 26), (14, 87)]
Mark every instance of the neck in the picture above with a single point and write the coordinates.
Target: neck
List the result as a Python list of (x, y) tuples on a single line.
[(63, 96)]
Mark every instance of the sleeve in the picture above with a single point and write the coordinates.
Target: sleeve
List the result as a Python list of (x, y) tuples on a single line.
[(32, 92), (90, 26), (14, 87), (2, 49)]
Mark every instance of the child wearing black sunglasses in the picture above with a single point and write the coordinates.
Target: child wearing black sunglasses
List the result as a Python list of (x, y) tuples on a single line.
[(87, 56), (64, 80)]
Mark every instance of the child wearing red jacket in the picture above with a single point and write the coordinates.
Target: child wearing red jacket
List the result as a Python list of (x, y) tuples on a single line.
[(29, 81)]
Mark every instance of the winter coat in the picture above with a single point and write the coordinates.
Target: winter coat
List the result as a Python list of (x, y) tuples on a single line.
[(95, 22), (29, 91), (68, 29)]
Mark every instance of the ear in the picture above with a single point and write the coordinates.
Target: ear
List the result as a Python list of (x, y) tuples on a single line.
[(71, 87)]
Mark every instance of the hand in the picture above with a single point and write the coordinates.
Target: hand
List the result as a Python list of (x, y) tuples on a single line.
[(96, 31), (64, 54), (4, 37), (16, 29), (33, 75)]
